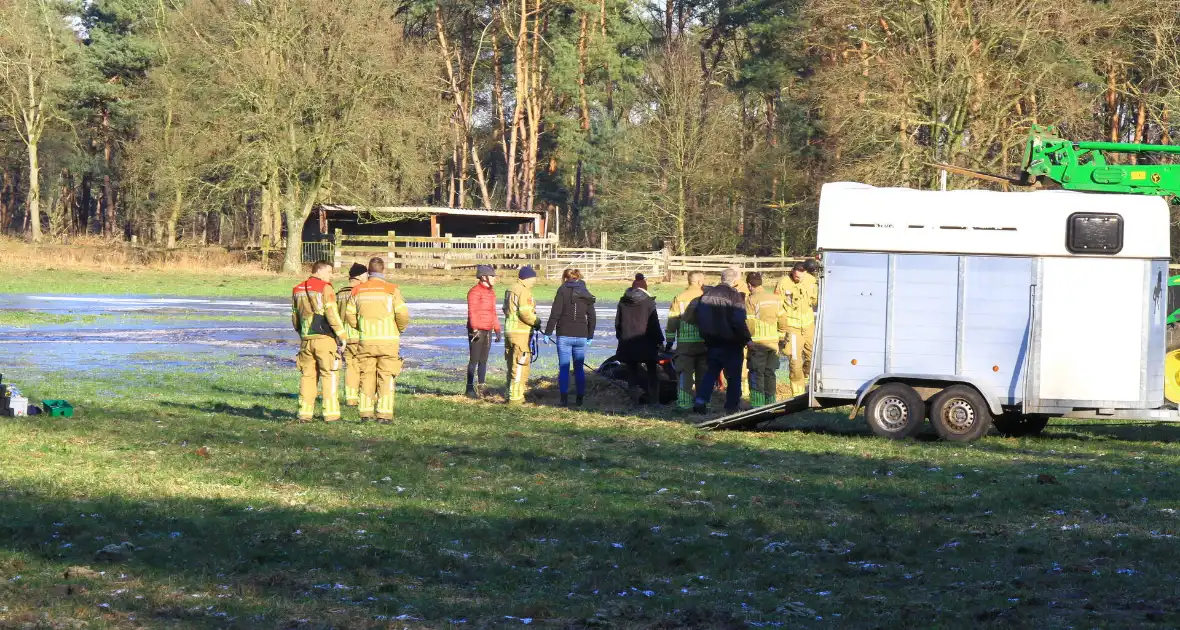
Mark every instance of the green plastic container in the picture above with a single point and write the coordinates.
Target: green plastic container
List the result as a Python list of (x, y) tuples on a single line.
[(58, 408)]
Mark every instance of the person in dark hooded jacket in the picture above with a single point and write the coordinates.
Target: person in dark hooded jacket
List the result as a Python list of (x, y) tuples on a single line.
[(572, 317), (637, 327)]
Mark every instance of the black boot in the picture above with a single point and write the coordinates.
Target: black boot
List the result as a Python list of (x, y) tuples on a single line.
[(578, 401), (565, 400), (471, 393)]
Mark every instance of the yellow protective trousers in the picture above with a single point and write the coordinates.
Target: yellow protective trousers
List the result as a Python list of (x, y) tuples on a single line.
[(691, 363), (763, 361), (808, 348), (381, 363), (794, 353), (516, 353), (318, 363), (352, 374)]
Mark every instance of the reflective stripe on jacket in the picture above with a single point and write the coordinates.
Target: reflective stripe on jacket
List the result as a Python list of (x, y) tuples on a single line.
[(678, 328), (799, 310), (767, 317), (313, 310), (377, 311), (520, 309), (343, 299)]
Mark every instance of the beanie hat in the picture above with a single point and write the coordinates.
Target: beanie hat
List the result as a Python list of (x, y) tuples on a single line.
[(526, 272), (357, 270), (640, 282), (484, 270)]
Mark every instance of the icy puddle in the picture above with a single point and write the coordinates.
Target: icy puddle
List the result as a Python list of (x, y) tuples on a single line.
[(84, 332)]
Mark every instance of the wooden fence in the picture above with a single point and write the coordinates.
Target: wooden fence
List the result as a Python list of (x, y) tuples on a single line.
[(511, 251), (444, 252)]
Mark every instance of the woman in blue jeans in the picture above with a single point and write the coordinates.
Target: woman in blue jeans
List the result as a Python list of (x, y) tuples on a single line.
[(573, 319)]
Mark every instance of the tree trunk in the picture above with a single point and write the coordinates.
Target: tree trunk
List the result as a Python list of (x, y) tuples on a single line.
[(681, 217), (293, 261), (264, 222), (276, 215), (174, 217), (108, 188), (483, 182), (4, 196), (33, 206), (297, 211), (1140, 122)]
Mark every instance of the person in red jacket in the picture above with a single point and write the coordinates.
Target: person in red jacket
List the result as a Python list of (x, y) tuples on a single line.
[(482, 322)]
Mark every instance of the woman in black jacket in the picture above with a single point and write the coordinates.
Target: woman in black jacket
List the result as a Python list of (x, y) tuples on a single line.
[(637, 327), (573, 319)]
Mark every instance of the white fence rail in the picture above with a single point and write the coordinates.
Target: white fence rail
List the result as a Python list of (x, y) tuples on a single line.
[(513, 251)]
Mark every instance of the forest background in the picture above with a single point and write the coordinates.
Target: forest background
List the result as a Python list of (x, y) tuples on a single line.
[(704, 126)]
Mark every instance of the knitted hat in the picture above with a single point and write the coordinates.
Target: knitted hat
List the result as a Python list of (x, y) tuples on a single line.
[(640, 282), (484, 270), (527, 272), (357, 270)]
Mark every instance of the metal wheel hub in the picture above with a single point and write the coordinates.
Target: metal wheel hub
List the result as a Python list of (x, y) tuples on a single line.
[(959, 415), (893, 413)]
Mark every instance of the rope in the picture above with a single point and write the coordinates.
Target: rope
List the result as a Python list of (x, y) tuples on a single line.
[(534, 345)]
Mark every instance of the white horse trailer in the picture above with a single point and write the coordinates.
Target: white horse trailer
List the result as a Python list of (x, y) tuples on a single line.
[(976, 307)]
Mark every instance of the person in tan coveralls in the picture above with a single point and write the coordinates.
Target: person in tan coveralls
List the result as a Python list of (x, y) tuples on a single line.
[(357, 274), (380, 316), (767, 318), (321, 333), (801, 327), (520, 319), (691, 360)]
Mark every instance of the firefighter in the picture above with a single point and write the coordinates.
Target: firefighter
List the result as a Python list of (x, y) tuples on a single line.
[(810, 282), (380, 316), (321, 336), (520, 320), (796, 341), (691, 360), (357, 274), (767, 318)]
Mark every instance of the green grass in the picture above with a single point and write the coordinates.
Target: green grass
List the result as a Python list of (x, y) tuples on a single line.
[(215, 284), (476, 512), (16, 318)]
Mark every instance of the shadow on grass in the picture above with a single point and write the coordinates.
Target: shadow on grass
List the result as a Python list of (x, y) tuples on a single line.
[(594, 536), (253, 412)]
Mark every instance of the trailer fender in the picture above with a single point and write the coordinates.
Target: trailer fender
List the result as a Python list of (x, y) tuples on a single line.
[(910, 379)]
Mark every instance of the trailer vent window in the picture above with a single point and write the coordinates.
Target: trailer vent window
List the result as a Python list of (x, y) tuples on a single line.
[(953, 227), (1094, 233)]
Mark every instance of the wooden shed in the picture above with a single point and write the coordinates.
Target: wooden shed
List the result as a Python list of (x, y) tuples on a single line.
[(420, 221)]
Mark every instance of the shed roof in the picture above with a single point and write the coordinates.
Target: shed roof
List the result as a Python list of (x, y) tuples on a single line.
[(478, 212)]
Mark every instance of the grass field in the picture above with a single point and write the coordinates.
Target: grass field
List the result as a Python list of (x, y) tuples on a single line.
[(222, 513), (18, 318), (146, 281)]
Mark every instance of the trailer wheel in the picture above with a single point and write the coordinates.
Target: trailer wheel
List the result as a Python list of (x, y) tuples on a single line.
[(959, 414), (1019, 425), (895, 411)]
